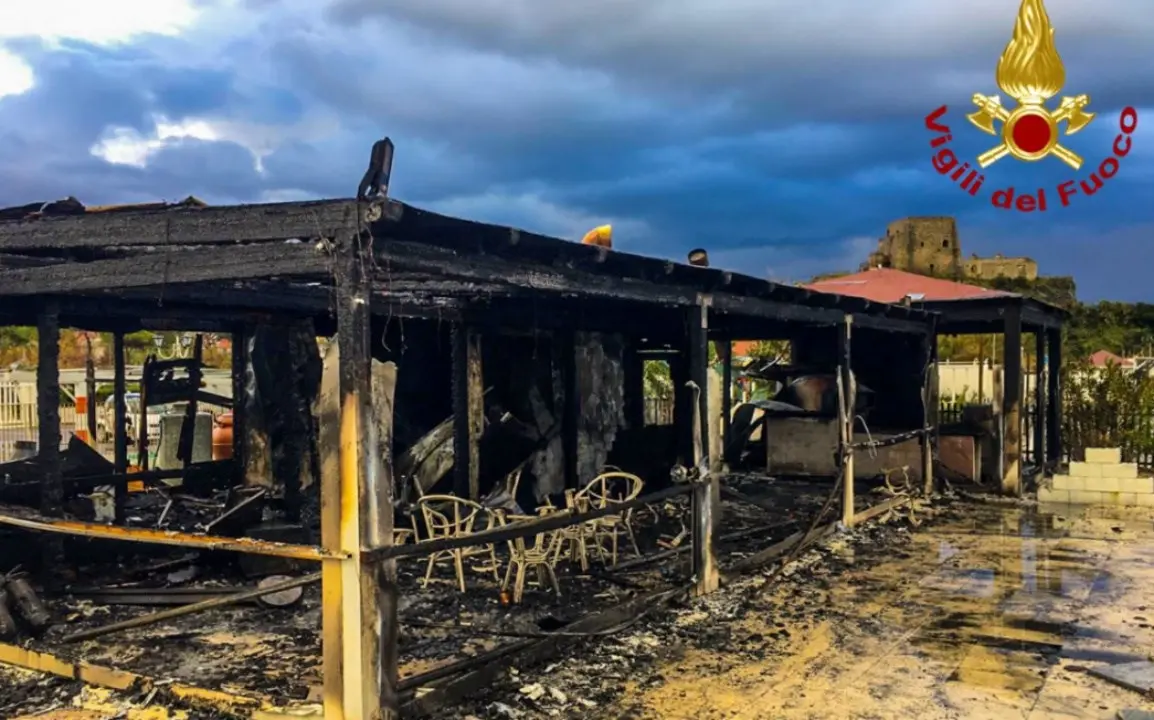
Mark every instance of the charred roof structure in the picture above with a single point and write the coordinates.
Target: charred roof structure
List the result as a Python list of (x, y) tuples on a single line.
[(381, 276), (968, 310)]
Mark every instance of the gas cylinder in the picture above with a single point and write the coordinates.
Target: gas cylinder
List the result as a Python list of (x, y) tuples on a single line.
[(222, 437)]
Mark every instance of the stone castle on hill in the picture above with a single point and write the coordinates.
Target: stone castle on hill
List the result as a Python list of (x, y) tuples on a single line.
[(930, 246)]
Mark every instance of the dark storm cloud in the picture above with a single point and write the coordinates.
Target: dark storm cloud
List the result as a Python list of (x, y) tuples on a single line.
[(782, 135)]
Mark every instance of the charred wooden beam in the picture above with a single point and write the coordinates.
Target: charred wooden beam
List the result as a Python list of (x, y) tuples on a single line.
[(424, 258), (120, 424), (725, 356), (1040, 404), (282, 296), (468, 411), (1012, 402), (1054, 392), (172, 266), (847, 402), (191, 226), (48, 430), (706, 500), (241, 336), (930, 402), (48, 412), (365, 623)]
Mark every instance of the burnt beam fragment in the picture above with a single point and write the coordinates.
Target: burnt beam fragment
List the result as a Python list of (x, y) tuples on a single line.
[(120, 423), (468, 411), (1054, 393), (48, 411), (48, 428), (191, 226), (173, 266), (1040, 402), (360, 630), (1012, 402), (847, 402)]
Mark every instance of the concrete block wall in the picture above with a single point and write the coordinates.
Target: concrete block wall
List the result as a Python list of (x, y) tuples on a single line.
[(1103, 479)]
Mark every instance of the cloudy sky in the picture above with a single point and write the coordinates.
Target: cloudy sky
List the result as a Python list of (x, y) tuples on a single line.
[(781, 134)]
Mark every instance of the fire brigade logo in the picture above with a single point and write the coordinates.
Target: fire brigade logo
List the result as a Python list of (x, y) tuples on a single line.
[(1031, 72)]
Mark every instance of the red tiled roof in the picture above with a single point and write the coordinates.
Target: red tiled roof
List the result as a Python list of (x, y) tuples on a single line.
[(892, 286), (1102, 358), (742, 348)]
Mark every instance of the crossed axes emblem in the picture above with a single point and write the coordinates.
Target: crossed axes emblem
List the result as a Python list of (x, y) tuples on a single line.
[(990, 109)]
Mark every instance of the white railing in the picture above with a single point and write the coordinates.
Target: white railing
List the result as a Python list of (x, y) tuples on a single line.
[(18, 417)]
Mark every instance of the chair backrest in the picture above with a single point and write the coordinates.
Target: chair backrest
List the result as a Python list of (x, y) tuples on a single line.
[(612, 488), (541, 541), (448, 515)]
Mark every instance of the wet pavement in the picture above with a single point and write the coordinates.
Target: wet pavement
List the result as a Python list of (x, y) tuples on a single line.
[(983, 610), (991, 611)]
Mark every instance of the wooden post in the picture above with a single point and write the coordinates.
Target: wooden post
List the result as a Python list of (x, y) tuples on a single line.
[(241, 336), (707, 492), (634, 371), (847, 401), (571, 407), (1012, 403), (1054, 391), (359, 626), (930, 415), (48, 431), (120, 423), (725, 357), (188, 427), (48, 412), (90, 391), (1040, 414), (468, 411)]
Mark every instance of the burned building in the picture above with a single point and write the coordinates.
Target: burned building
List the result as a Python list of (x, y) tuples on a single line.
[(466, 359)]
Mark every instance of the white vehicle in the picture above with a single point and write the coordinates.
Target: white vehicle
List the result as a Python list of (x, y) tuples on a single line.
[(106, 419)]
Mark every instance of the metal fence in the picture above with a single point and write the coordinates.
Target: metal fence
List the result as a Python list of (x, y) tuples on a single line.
[(18, 418), (1134, 434)]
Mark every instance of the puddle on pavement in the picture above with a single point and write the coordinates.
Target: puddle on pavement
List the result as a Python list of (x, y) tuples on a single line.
[(1005, 602)]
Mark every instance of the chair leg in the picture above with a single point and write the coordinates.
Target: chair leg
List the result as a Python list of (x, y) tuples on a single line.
[(429, 569), (613, 552), (553, 578), (519, 588), (508, 573), (632, 538), (496, 567), (460, 563)]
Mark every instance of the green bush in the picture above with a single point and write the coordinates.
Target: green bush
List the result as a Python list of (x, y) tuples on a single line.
[(1108, 407)]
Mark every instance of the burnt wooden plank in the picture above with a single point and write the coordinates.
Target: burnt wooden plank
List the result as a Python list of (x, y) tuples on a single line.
[(48, 429), (1054, 393), (188, 226), (1012, 402), (468, 237), (468, 411), (120, 423), (414, 257), (182, 266), (369, 633)]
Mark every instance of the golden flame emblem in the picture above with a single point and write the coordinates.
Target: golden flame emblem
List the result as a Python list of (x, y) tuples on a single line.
[(1031, 72)]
